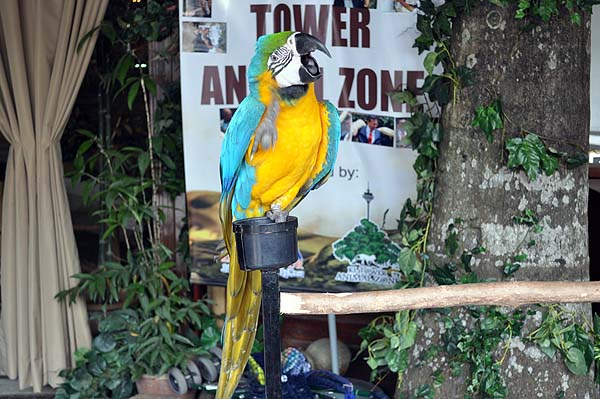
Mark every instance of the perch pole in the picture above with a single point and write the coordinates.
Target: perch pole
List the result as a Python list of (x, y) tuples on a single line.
[(512, 294), (266, 246)]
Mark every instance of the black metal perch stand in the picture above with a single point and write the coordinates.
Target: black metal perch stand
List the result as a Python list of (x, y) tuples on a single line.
[(266, 246)]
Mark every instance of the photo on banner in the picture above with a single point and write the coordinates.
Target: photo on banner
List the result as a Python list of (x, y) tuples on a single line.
[(347, 226)]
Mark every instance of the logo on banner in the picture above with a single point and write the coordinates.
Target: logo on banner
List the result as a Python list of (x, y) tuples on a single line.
[(371, 255)]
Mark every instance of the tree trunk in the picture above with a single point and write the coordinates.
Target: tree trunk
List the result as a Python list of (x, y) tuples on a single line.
[(542, 76)]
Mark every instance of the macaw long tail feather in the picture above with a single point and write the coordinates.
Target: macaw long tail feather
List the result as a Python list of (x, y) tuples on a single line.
[(243, 307)]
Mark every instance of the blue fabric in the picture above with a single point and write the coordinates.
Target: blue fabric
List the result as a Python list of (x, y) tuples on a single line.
[(327, 380), (300, 386)]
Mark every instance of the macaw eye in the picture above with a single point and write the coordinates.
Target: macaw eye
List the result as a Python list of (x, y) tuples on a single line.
[(279, 59), (280, 53)]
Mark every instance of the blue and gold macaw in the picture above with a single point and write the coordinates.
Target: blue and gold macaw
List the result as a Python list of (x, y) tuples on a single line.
[(280, 144)]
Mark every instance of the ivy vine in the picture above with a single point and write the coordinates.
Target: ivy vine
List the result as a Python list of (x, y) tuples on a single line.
[(528, 151)]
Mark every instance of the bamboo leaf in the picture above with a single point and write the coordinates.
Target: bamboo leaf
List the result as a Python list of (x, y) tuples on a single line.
[(133, 91)]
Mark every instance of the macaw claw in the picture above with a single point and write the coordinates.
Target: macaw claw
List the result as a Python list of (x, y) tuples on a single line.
[(276, 214)]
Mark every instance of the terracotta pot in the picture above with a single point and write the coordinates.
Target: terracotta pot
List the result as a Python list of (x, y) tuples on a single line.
[(159, 385)]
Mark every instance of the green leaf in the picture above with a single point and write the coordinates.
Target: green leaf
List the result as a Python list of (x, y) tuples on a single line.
[(143, 162), (123, 67), (407, 261), (478, 250), (438, 379), (97, 366), (130, 80), (577, 159), (109, 231), (85, 146), (150, 85), (526, 153), (510, 268), (443, 276), (523, 7), (80, 354), (108, 31), (104, 342), (465, 76), (133, 91), (210, 337), (408, 338), (167, 161), (489, 118), (81, 379), (394, 360), (451, 243), (550, 351), (465, 259), (520, 257), (439, 88), (526, 217), (404, 97), (429, 62), (79, 163), (86, 37), (575, 361), (549, 164), (424, 391), (123, 390), (373, 363), (86, 133)]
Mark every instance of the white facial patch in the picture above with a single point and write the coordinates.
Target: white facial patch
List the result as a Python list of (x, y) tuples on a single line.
[(285, 64), (289, 75)]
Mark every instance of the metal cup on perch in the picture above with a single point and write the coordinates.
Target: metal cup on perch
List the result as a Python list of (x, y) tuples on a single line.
[(265, 245)]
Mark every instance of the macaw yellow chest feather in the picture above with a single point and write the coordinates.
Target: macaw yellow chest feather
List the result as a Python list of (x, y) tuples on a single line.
[(296, 158)]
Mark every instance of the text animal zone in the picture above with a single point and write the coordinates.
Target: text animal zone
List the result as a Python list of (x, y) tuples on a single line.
[(364, 89)]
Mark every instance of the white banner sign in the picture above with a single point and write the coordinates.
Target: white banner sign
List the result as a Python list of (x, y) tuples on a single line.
[(371, 55)]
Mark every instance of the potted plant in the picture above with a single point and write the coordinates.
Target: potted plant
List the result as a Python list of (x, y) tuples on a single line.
[(103, 371), (160, 327), (171, 329)]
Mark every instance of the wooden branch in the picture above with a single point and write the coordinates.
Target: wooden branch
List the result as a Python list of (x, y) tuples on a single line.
[(510, 294)]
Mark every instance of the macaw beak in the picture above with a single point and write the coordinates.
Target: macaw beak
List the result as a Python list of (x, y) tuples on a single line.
[(305, 45)]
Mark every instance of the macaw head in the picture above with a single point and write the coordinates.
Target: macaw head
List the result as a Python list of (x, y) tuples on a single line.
[(287, 56)]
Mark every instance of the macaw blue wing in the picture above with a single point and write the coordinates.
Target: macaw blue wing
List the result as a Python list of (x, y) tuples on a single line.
[(237, 138), (243, 288), (334, 132)]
